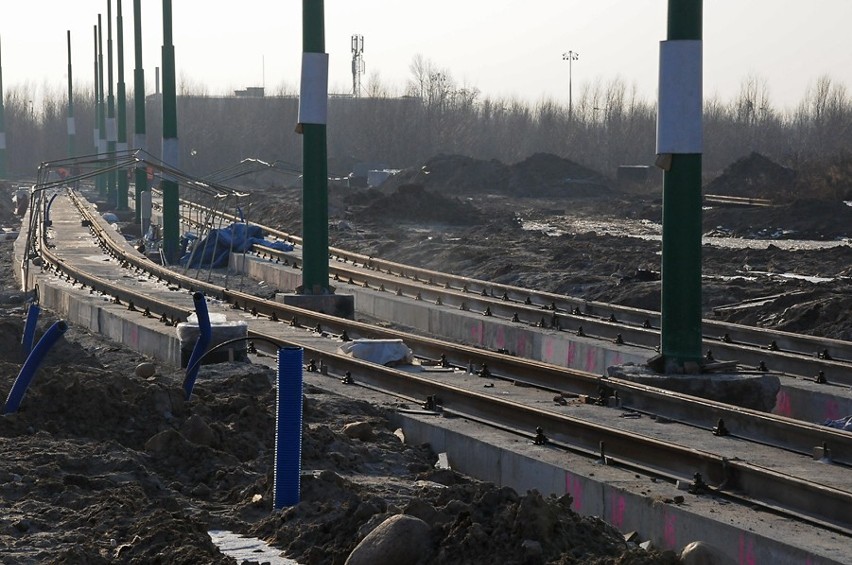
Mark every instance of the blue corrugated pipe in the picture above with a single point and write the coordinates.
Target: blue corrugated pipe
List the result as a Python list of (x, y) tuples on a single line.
[(29, 329), (22, 382), (288, 430), (205, 333), (47, 221)]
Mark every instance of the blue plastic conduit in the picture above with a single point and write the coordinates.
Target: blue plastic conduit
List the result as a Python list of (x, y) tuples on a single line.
[(47, 221), (29, 329), (288, 430), (22, 382), (204, 335)]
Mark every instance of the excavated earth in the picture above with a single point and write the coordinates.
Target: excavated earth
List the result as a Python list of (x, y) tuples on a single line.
[(104, 464)]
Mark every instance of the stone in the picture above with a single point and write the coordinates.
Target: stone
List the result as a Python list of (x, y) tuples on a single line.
[(358, 430), (399, 540), (702, 553), (196, 430), (145, 370)]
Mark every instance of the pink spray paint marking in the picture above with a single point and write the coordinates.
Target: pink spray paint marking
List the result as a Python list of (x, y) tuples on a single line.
[(574, 487), (783, 404), (548, 351), (476, 333), (746, 553), (832, 410), (500, 338), (521, 344), (591, 360), (670, 530), (619, 506), (569, 357)]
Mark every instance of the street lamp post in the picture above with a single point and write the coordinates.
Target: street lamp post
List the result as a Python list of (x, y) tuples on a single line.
[(570, 56)]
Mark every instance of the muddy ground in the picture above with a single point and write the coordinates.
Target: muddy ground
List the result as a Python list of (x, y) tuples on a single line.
[(102, 465)]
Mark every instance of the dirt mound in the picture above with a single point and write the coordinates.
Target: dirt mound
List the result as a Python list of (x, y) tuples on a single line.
[(455, 173), (801, 219), (542, 174), (413, 203), (545, 174), (755, 176)]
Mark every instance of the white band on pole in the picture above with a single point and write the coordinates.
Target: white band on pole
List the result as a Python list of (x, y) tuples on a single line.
[(72, 128), (145, 205), (112, 131), (2, 140), (313, 94), (171, 156), (679, 114), (97, 137)]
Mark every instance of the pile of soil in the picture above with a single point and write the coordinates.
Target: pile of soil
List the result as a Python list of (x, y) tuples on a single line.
[(542, 174), (413, 203), (102, 464), (817, 220), (545, 174), (754, 176), (106, 462)]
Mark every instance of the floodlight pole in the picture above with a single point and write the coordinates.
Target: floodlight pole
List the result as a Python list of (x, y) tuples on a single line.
[(123, 183), (679, 153), (570, 56), (171, 219), (139, 141), (313, 109)]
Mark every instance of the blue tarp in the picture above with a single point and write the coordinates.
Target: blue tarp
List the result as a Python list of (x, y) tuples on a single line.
[(213, 250)]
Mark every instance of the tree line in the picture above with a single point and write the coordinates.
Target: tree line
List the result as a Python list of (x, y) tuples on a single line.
[(610, 125)]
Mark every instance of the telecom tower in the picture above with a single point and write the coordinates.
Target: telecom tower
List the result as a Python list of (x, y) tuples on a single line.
[(357, 64)]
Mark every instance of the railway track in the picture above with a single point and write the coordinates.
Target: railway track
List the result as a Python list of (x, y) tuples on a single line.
[(818, 359), (729, 466)]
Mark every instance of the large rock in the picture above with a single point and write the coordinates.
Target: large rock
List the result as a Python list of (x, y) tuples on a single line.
[(399, 540), (700, 553), (196, 430)]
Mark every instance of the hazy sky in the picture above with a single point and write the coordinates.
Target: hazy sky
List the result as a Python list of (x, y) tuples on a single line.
[(502, 47)]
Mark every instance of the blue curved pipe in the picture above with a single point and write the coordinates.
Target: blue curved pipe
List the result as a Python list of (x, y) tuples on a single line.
[(47, 221), (22, 381), (205, 333), (29, 329)]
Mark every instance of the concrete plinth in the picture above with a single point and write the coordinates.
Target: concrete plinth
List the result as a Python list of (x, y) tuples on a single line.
[(340, 305), (748, 390)]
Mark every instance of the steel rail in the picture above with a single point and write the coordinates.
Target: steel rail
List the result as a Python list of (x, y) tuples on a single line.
[(793, 435), (832, 356), (807, 498)]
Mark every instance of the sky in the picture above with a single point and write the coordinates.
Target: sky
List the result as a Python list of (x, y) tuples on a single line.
[(505, 48)]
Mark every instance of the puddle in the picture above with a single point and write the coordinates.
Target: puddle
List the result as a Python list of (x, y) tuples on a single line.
[(244, 548)]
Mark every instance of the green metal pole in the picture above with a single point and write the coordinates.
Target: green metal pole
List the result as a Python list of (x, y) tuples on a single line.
[(314, 162), (139, 142), (123, 183), (102, 143), (112, 135), (72, 131), (2, 122), (96, 129), (681, 247), (171, 220)]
